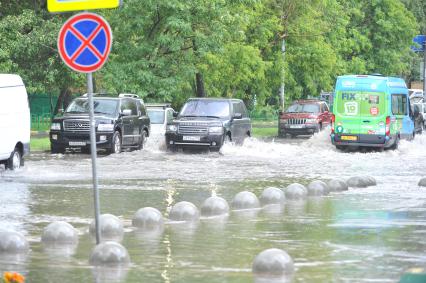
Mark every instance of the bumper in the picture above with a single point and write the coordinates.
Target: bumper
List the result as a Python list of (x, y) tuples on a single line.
[(79, 140), (364, 141), (178, 140), (303, 129)]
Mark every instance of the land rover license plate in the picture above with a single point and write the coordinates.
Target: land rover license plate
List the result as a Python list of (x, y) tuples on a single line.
[(349, 138), (191, 138), (77, 143)]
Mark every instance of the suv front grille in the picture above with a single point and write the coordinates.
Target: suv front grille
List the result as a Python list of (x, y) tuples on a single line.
[(294, 121), (193, 129), (77, 125)]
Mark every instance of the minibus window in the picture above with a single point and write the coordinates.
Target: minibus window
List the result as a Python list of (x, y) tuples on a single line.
[(399, 104)]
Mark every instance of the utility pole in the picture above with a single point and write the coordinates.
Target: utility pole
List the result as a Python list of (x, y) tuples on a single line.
[(424, 69), (282, 88)]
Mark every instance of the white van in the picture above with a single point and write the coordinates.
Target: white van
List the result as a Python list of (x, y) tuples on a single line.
[(15, 121)]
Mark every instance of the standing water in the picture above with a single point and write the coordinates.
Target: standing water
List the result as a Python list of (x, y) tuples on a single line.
[(362, 235)]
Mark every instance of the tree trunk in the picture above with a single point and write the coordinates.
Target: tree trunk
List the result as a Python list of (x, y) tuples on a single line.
[(63, 100), (199, 85)]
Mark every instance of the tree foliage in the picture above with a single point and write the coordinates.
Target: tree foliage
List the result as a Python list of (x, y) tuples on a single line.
[(171, 50)]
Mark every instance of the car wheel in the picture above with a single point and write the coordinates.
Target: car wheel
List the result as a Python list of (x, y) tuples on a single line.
[(172, 148), (142, 142), (293, 136), (54, 149), (282, 133), (15, 160), (227, 139), (395, 144), (340, 147), (116, 143)]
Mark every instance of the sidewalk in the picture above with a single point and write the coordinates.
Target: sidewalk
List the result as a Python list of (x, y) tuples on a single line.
[(39, 134)]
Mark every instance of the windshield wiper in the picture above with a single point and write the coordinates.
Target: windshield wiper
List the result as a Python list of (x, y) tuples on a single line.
[(75, 112), (209, 116), (100, 112)]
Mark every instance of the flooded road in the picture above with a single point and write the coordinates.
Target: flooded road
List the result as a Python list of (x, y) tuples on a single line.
[(362, 235)]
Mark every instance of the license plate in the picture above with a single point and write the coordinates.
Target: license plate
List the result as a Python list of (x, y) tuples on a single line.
[(296, 126), (77, 143), (349, 138), (191, 138)]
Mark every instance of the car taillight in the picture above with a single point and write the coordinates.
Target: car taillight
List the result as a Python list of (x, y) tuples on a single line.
[(388, 120), (333, 119)]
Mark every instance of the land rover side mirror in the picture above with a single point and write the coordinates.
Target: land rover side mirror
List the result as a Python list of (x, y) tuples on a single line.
[(61, 111), (126, 112), (238, 116), (175, 114)]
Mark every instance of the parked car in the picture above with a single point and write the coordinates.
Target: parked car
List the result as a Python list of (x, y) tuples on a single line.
[(304, 117), (416, 95), (371, 111), (422, 110), (209, 122), (417, 114), (15, 122), (160, 115), (121, 122)]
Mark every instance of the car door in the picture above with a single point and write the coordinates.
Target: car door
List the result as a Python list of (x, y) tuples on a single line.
[(326, 115), (246, 119), (237, 128), (127, 129), (143, 119)]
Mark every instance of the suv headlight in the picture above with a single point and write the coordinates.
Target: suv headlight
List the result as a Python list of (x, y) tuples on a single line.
[(55, 126), (311, 121), (216, 130), (284, 121), (171, 128), (105, 127)]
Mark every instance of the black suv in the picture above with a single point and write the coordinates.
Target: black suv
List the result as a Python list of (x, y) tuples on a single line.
[(120, 122), (209, 122)]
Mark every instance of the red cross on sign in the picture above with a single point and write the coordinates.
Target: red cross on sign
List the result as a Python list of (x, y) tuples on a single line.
[(84, 42)]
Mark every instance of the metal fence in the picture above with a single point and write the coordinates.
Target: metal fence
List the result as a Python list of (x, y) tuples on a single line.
[(42, 108)]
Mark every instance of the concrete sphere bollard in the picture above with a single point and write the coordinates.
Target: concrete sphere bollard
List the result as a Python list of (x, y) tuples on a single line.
[(371, 181), (245, 200), (59, 232), (111, 227), (358, 182), (272, 195), (296, 191), (12, 242), (214, 206), (109, 253), (337, 185), (184, 211), (422, 182), (148, 218), (273, 263), (318, 188)]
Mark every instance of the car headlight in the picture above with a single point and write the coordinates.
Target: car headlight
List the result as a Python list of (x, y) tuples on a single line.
[(105, 127), (311, 121), (171, 128), (284, 121), (55, 126), (216, 130)]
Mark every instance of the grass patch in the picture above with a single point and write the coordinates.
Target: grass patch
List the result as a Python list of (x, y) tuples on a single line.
[(40, 144), (264, 132)]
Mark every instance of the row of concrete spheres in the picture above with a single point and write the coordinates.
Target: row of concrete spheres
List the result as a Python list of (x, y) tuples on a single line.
[(274, 263)]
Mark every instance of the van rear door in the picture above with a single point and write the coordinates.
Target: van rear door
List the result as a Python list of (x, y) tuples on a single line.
[(347, 112), (373, 114)]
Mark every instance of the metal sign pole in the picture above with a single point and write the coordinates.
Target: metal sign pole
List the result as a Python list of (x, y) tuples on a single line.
[(424, 69), (93, 152), (282, 90)]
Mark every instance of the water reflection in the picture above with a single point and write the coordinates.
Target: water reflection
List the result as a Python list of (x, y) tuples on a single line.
[(108, 274)]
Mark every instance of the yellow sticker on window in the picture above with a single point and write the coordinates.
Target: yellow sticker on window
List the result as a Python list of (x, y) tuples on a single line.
[(55, 6)]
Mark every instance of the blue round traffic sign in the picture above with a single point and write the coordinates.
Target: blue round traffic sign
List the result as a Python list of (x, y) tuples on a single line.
[(84, 42)]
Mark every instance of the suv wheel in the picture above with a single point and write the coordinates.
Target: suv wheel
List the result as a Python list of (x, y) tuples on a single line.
[(142, 142), (15, 160), (116, 143), (56, 149)]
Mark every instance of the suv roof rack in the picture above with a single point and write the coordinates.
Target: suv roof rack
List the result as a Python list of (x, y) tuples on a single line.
[(131, 95)]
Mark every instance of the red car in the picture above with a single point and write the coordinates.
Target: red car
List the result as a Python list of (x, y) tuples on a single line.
[(304, 117)]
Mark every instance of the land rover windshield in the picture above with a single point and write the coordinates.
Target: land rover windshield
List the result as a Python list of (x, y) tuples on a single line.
[(206, 108), (101, 106), (303, 108)]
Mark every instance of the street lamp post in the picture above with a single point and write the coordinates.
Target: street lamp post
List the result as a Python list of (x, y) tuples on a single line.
[(282, 88)]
